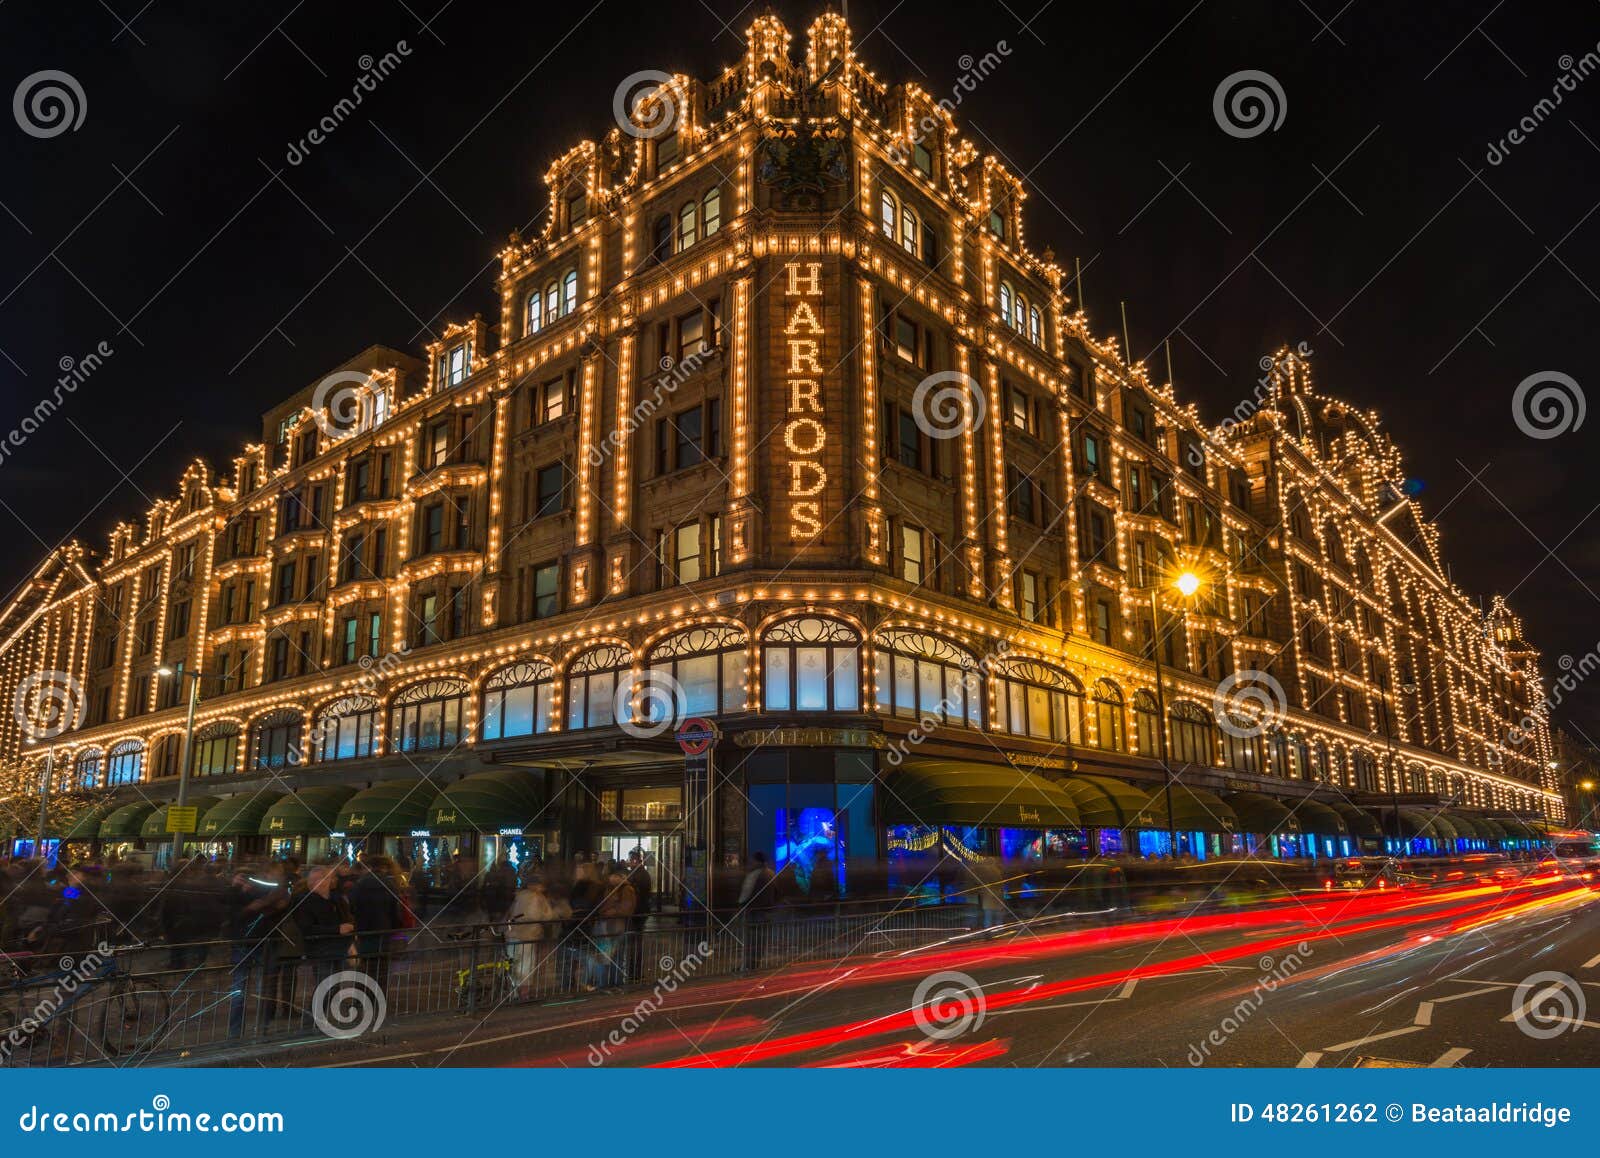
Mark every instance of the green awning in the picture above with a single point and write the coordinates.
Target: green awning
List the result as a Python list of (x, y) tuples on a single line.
[(1319, 818), (1417, 822), (1494, 828), (86, 826), (1517, 828), (310, 811), (236, 815), (394, 806), (126, 822), (1362, 823), (1469, 827), (155, 825), (1193, 810), (1261, 815), (935, 792), (1104, 802), (488, 802)]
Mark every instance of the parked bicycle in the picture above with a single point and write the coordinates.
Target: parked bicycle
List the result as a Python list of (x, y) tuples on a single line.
[(72, 1007)]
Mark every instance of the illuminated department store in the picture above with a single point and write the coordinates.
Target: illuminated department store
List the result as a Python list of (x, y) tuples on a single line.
[(781, 413)]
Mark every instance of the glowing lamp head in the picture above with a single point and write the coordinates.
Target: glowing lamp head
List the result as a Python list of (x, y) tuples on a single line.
[(1187, 583), (164, 672)]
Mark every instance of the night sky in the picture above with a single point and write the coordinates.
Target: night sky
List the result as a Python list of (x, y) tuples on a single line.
[(1369, 224)]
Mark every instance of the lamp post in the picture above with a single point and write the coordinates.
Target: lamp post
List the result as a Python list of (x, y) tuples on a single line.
[(1187, 583), (44, 795), (183, 753)]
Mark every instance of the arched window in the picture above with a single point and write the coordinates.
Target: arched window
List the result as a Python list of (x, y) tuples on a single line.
[(426, 717), (569, 292), (926, 677), (1334, 543), (1366, 772), (661, 237), (708, 663), (1019, 313), (1005, 301), (592, 681), (275, 739), (1147, 723), (1108, 720), (1192, 734), (346, 728), (811, 664), (1035, 329), (686, 226), (1038, 701), (535, 312), (910, 232), (517, 700), (888, 215), (86, 772), (216, 749), (552, 302), (1241, 743), (711, 211)]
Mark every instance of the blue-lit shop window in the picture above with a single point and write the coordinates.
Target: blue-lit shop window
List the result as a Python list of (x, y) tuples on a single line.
[(1155, 842), (1111, 841), (809, 849)]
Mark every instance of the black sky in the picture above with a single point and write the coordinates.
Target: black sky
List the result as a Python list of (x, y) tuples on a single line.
[(1370, 225)]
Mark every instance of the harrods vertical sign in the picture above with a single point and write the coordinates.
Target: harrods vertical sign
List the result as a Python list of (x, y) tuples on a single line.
[(804, 471)]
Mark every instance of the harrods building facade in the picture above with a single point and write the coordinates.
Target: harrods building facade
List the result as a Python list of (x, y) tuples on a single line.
[(782, 404)]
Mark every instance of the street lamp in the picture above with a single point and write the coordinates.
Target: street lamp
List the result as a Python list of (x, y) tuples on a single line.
[(183, 753), (1186, 582), (44, 793)]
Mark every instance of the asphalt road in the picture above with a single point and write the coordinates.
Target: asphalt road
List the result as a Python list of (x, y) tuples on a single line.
[(1417, 978)]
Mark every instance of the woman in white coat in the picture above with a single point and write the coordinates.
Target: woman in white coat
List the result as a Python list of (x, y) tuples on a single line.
[(529, 934)]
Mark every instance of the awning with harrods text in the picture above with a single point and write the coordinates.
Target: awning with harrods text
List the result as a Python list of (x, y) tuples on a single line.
[(394, 806), (504, 800), (937, 792), (155, 825), (236, 815), (312, 811), (1193, 810)]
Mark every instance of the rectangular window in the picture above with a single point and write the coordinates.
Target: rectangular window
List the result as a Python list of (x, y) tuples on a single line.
[(1100, 626), (911, 560), (280, 657), (286, 582), (546, 590), (439, 443), (550, 489), (686, 548), (691, 335), (910, 440), (374, 634), (1029, 600), (352, 629), (432, 528), (459, 606), (687, 441), (553, 400), (428, 619), (178, 621)]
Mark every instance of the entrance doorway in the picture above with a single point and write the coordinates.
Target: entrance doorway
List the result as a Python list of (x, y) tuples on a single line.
[(663, 857)]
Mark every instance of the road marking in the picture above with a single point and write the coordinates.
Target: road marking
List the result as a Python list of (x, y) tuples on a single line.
[(1448, 1058), (1592, 961), (1424, 1014), (1344, 1045), (1309, 1062)]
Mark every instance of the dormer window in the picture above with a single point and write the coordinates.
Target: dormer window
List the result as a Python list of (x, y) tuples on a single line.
[(922, 159), (577, 209), (901, 225), (555, 301), (455, 364), (666, 150), (997, 223)]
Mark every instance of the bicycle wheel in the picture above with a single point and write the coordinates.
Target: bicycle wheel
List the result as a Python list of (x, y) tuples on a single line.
[(135, 1016)]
